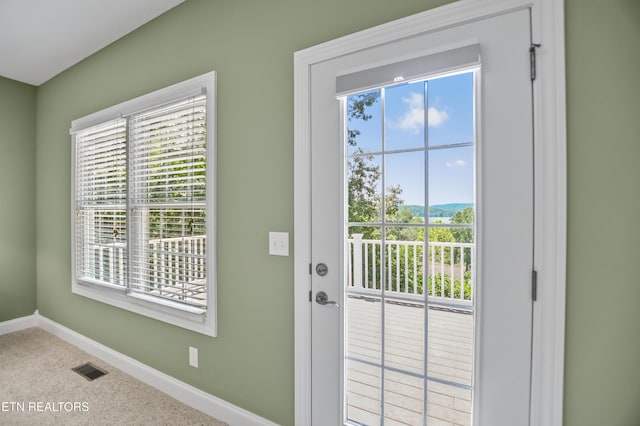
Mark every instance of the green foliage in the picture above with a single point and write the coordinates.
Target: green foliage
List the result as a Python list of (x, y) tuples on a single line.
[(356, 109), (365, 206), (463, 216), (439, 285), (463, 235), (400, 276), (438, 281), (177, 174), (440, 235), (393, 201), (364, 174)]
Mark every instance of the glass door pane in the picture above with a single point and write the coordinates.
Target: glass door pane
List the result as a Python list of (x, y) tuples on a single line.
[(411, 253)]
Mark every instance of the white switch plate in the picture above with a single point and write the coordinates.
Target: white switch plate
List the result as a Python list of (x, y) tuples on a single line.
[(193, 356), (279, 243)]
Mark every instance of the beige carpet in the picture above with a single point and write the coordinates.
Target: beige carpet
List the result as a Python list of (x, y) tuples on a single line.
[(38, 387)]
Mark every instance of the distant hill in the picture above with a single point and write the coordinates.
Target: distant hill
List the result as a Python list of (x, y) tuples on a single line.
[(441, 210)]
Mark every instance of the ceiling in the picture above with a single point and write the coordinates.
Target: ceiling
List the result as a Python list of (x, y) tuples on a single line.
[(41, 38)]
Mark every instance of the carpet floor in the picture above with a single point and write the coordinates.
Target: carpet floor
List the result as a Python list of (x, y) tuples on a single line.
[(38, 387)]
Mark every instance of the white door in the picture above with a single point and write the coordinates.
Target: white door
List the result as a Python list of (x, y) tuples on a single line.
[(427, 317)]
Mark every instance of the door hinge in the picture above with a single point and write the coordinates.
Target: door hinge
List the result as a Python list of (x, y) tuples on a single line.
[(532, 59), (534, 285), (310, 270), (310, 295)]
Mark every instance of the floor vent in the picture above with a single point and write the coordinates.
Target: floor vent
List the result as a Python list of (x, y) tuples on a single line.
[(89, 371)]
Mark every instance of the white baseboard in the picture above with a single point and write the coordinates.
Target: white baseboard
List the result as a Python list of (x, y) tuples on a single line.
[(183, 392), (17, 324)]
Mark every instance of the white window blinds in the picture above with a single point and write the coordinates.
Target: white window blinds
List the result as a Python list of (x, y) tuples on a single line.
[(141, 204), (100, 203), (168, 202)]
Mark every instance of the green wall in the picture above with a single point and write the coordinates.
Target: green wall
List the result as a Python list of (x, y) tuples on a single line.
[(602, 380), (250, 44), (18, 205)]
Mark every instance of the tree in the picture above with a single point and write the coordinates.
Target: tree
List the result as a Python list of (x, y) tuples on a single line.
[(364, 204), (364, 174), (463, 235), (356, 109), (393, 201)]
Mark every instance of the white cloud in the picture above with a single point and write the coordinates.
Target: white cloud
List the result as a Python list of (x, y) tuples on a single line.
[(413, 120), (437, 117), (457, 163)]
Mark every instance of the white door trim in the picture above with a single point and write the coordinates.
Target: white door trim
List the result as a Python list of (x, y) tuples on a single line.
[(550, 188)]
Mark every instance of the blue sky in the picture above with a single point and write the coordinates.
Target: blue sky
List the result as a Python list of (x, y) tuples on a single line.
[(449, 109)]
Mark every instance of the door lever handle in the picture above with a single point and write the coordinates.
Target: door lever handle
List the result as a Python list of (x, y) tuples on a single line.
[(323, 299)]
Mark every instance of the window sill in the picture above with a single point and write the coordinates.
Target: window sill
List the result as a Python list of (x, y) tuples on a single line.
[(187, 317)]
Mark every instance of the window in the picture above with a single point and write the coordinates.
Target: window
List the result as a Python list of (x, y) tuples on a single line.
[(143, 205)]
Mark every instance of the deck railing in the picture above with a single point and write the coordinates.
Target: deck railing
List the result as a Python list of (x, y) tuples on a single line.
[(445, 271), (106, 262), (172, 261)]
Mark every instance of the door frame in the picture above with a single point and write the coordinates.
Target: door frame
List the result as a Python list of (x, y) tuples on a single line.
[(550, 194)]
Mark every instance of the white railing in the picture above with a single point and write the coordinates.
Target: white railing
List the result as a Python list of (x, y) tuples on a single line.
[(178, 269), (106, 262), (446, 270), (172, 262)]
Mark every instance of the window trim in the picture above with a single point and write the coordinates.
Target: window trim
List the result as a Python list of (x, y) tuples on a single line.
[(202, 321)]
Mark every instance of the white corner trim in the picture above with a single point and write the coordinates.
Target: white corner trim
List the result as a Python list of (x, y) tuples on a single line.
[(551, 168), (183, 392), (18, 324)]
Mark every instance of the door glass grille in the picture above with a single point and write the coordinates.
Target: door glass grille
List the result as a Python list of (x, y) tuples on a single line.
[(410, 169)]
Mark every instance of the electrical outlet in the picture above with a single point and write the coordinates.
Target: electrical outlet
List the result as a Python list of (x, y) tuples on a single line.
[(193, 356)]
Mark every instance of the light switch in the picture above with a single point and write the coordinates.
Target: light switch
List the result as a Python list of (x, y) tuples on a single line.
[(279, 243)]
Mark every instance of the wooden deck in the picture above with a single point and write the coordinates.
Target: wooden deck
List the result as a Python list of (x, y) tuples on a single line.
[(449, 364)]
